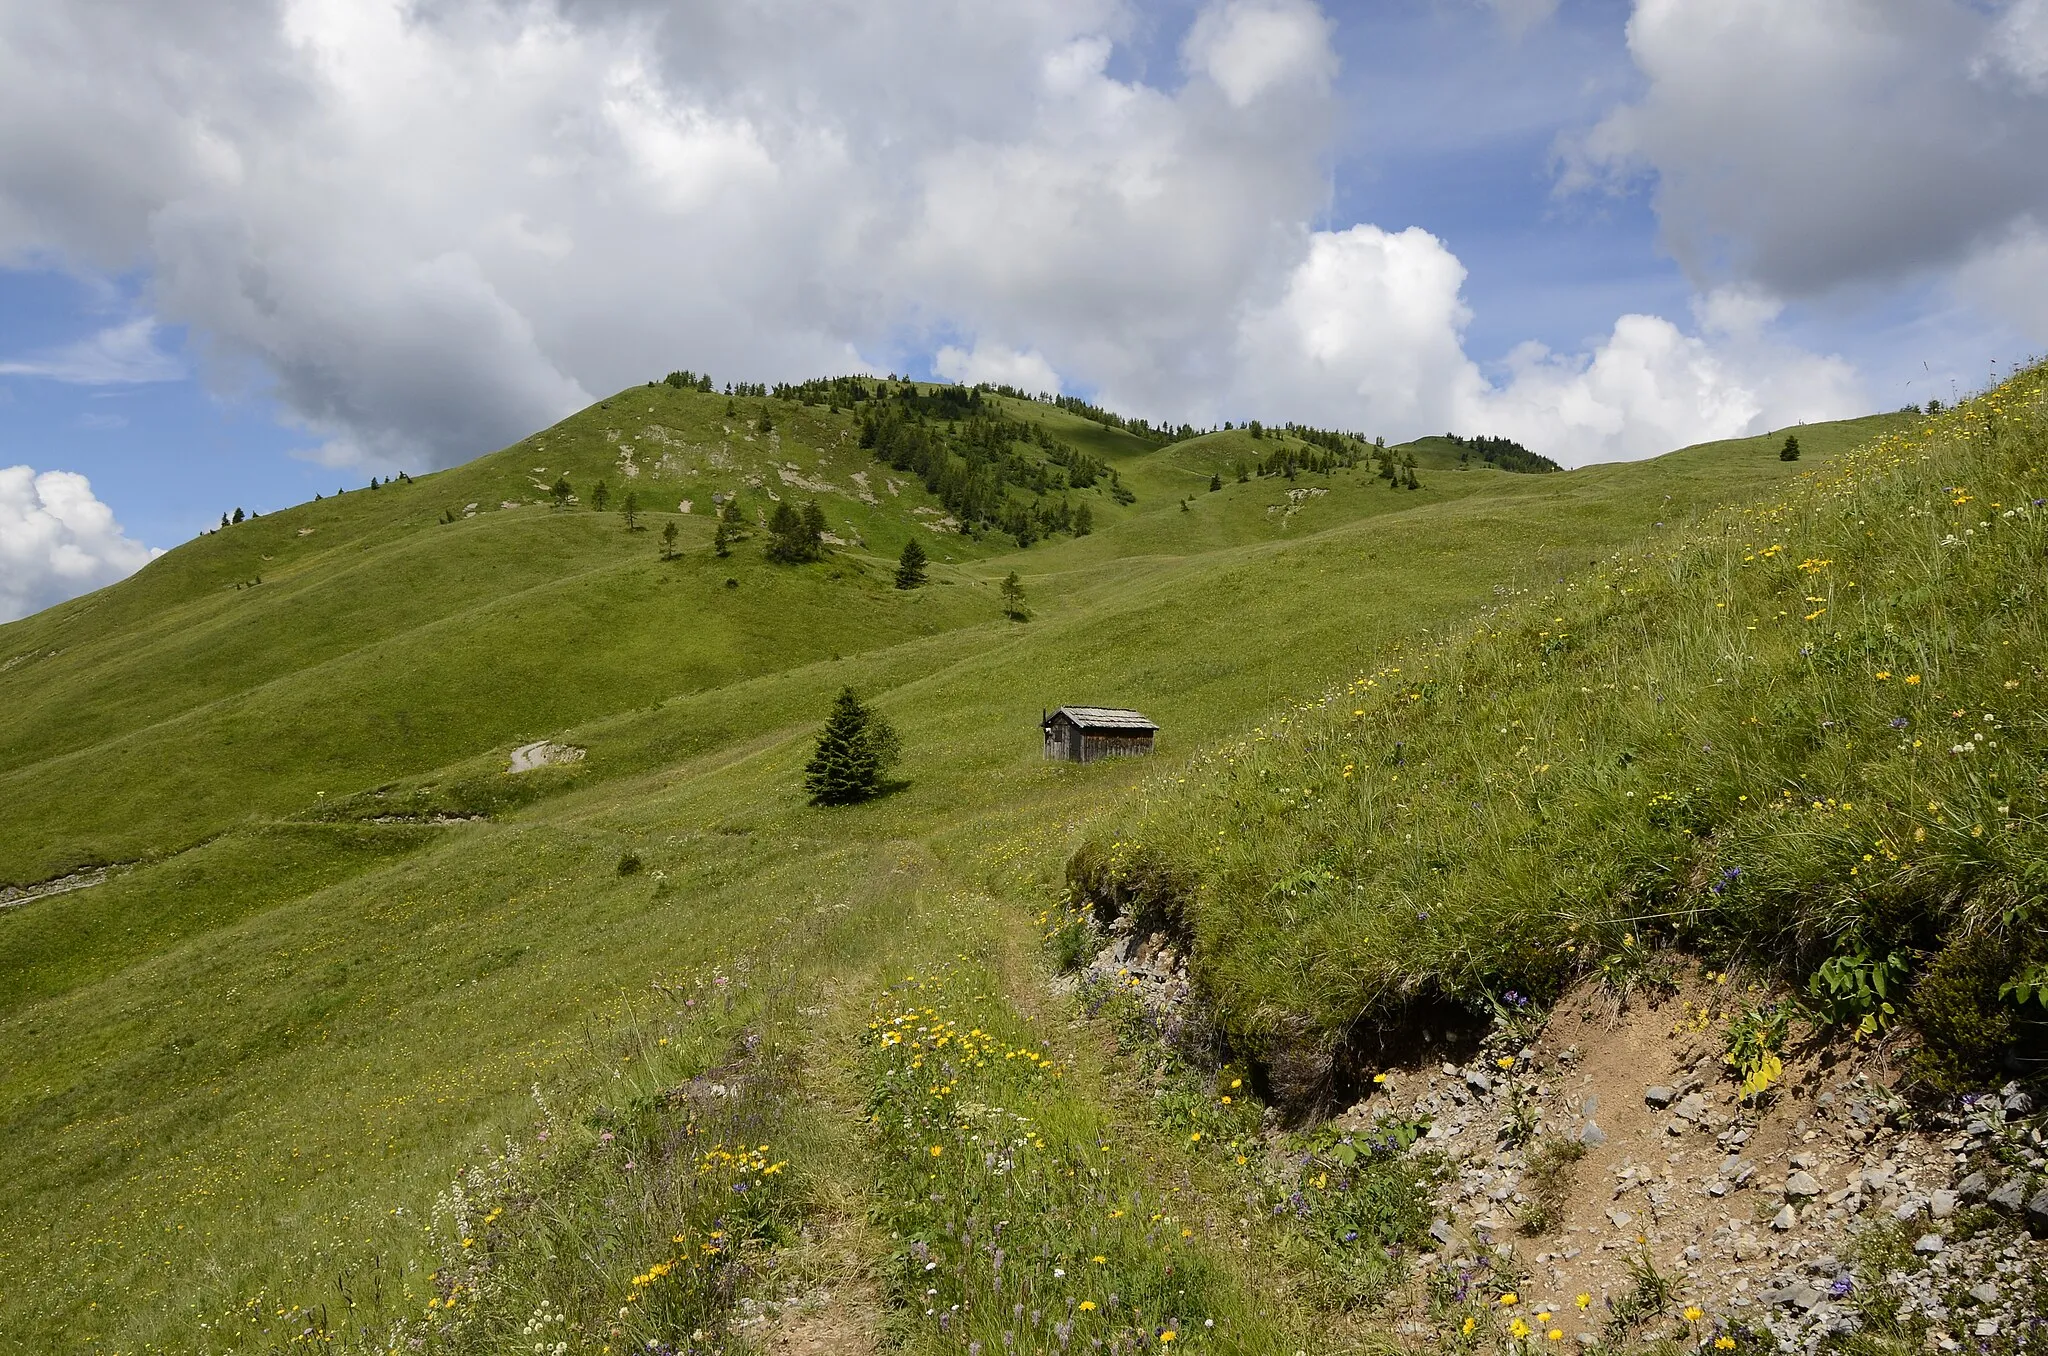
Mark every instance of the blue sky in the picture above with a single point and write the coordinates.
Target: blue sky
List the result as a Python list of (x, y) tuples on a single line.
[(350, 238)]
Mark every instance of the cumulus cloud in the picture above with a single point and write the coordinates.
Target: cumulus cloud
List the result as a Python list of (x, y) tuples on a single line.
[(1368, 335), (997, 365), (116, 356), (57, 540), (433, 225), (1251, 46), (1813, 146)]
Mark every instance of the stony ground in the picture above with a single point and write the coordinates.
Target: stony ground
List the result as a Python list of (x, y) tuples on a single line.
[(1601, 1168)]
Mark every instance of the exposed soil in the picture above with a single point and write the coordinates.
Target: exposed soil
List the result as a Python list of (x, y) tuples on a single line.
[(541, 753), (14, 896), (1749, 1212)]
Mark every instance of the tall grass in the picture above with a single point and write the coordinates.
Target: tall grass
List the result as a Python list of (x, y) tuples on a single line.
[(1810, 732)]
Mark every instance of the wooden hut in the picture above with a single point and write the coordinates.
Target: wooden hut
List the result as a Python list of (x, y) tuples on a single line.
[(1082, 734)]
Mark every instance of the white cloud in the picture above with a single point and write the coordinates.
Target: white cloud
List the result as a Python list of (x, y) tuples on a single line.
[(1367, 336), (434, 225), (1832, 143), (2018, 46), (1251, 46), (2009, 279), (998, 365), (57, 540), (118, 355)]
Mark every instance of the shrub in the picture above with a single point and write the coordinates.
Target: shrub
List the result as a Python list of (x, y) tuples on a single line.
[(1963, 1025)]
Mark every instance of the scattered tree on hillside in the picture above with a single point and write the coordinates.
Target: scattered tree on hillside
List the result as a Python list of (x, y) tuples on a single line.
[(1084, 520), (562, 492), (1013, 598), (764, 424), (668, 541), (630, 511), (1258, 430), (910, 565), (1215, 483), (223, 520), (793, 537), (855, 748), (1790, 451), (238, 515), (601, 495), (373, 482)]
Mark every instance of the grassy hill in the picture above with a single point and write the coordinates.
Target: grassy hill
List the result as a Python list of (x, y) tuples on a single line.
[(360, 987)]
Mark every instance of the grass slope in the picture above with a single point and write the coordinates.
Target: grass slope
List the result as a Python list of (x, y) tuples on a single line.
[(247, 1068), (1805, 735)]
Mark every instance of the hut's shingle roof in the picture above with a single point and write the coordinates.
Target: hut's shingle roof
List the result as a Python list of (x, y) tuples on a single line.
[(1105, 718)]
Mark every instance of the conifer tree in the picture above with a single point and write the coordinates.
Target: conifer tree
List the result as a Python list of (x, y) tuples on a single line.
[(601, 496), (562, 492), (910, 565), (630, 511), (855, 748), (238, 515), (668, 541), (1084, 520), (1013, 598), (794, 537), (1215, 483), (1790, 451)]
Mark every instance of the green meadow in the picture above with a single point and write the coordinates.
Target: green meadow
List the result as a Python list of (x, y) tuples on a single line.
[(368, 1044)]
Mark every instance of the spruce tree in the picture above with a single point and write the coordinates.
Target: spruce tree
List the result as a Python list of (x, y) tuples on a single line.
[(630, 511), (601, 496), (794, 537), (910, 565), (1013, 598), (668, 541), (1084, 520), (1790, 451), (1215, 483), (854, 749), (562, 492), (238, 515)]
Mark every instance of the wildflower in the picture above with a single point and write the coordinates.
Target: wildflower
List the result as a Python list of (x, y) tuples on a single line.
[(1724, 1343), (1167, 1336), (1912, 680), (1098, 1259), (1087, 1305), (1583, 1300), (1379, 1078), (1510, 1299), (1555, 1334), (1518, 1329), (1505, 1062), (937, 1150), (1883, 675), (1470, 1323), (1693, 1313)]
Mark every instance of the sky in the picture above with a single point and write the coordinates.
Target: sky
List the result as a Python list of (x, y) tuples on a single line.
[(251, 250)]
